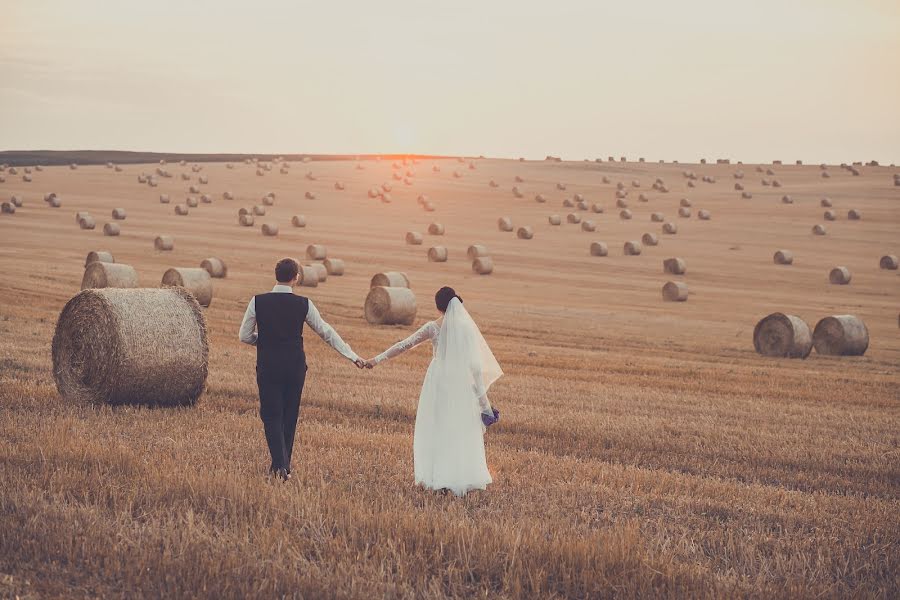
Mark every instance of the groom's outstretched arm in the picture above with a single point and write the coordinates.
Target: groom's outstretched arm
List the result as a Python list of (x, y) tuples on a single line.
[(327, 333), (248, 333)]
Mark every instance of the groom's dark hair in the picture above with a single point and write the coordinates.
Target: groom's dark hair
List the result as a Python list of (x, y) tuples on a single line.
[(444, 296), (285, 270)]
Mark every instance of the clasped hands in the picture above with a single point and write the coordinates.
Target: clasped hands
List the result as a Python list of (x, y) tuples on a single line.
[(364, 364)]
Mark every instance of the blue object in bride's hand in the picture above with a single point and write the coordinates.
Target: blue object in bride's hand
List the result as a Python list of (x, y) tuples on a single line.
[(488, 420)]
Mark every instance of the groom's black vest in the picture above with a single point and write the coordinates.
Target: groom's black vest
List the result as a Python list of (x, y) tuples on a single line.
[(279, 345)]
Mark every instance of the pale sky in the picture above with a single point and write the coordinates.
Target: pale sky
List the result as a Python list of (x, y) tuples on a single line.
[(812, 79)]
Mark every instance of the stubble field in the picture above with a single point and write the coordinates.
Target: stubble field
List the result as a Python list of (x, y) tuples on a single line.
[(645, 449)]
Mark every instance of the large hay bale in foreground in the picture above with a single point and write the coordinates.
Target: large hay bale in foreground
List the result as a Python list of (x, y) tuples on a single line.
[(164, 242), (632, 248), (675, 291), (783, 257), (525, 233), (111, 229), (413, 238), (436, 229), (675, 266), (316, 252), (215, 267), (476, 250), (195, 280), (599, 249), (841, 335), (334, 266), (390, 306), (649, 239), (839, 276), (298, 221), (131, 346), (390, 279), (437, 254), (782, 336), (483, 265), (99, 256), (504, 224), (108, 275), (270, 229), (888, 261)]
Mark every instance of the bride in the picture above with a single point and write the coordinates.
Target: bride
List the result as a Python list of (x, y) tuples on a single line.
[(448, 444)]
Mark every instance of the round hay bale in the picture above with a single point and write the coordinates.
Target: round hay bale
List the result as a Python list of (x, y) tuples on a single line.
[(620, 185), (437, 254), (316, 252), (269, 229), (888, 261), (675, 291), (582, 205), (825, 174), (123, 346), (839, 276), (16, 201), (413, 238), (684, 213), (164, 199), (81, 214), (650, 239), (540, 199), (228, 196), (390, 279), (195, 280), (505, 224), (776, 183), (55, 202), (746, 195), (578, 197), (625, 214), (259, 210), (298, 221), (87, 222), (825, 203), (632, 248), (782, 336), (164, 243), (215, 267), (854, 215), (787, 199), (206, 199), (573, 218), (830, 215), (181, 209), (620, 194), (309, 195), (436, 229), (596, 208), (670, 228), (621, 203), (385, 187), (841, 335), (685, 202), (588, 226), (554, 219), (193, 190), (308, 277), (483, 265), (320, 271), (204, 179), (783, 257), (643, 198), (428, 206), (606, 179), (118, 214), (476, 250), (704, 215), (674, 266), (691, 184), (390, 306), (739, 187), (561, 186), (373, 193), (599, 249), (191, 202), (334, 266), (568, 203), (246, 220), (657, 217), (338, 185), (268, 200), (111, 229), (109, 275), (818, 230), (525, 233), (99, 256)]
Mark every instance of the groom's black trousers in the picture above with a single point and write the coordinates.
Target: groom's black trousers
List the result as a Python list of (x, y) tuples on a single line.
[(279, 409)]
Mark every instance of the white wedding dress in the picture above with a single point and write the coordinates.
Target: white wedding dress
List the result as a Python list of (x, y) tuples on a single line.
[(448, 444)]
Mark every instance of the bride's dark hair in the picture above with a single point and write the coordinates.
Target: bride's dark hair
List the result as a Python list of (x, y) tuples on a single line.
[(444, 296)]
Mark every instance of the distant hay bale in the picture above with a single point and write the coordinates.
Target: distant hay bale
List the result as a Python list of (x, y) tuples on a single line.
[(841, 335), (561, 186), (493, 183), (164, 242), (684, 213), (582, 205), (268, 200), (704, 215), (228, 196), (776, 183), (782, 336), (334, 266), (818, 230), (783, 257), (215, 267), (787, 200), (625, 214), (320, 271), (635, 183), (111, 229), (573, 218), (606, 179), (825, 174), (596, 208), (55, 202), (246, 220), (269, 229), (338, 185), (204, 179), (164, 199), (540, 198), (746, 195), (428, 206), (739, 187), (81, 214), (643, 198), (675, 291), (87, 222), (309, 195), (839, 276), (554, 220), (675, 266), (99, 256), (888, 261), (316, 252), (830, 215), (7, 208), (684, 202), (621, 193), (260, 172), (649, 239), (390, 306), (16, 201), (568, 203), (109, 275), (825, 203), (657, 217), (483, 265), (599, 249), (517, 192), (26, 178), (298, 221), (181, 209), (131, 346), (588, 226), (118, 214), (195, 280), (505, 224), (621, 203), (476, 250), (436, 229), (525, 233), (632, 248), (691, 184), (259, 210), (437, 254), (739, 175), (670, 228), (194, 189), (390, 279), (854, 215), (307, 276), (373, 193), (191, 202), (413, 238)]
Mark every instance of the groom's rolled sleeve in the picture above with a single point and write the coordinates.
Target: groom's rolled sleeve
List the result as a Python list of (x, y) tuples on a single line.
[(327, 333), (248, 333)]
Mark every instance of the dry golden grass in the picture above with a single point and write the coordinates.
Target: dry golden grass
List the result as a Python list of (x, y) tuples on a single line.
[(645, 449)]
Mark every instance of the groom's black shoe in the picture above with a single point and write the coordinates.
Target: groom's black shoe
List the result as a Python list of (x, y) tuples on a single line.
[(283, 474)]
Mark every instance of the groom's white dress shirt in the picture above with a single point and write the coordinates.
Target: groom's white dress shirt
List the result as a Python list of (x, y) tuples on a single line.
[(248, 333)]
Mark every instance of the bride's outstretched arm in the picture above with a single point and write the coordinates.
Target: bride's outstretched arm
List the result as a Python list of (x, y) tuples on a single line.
[(424, 333)]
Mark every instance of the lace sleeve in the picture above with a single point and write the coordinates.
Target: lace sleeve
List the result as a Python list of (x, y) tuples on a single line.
[(425, 332)]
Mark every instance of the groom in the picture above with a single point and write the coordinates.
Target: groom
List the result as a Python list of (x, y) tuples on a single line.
[(274, 324)]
